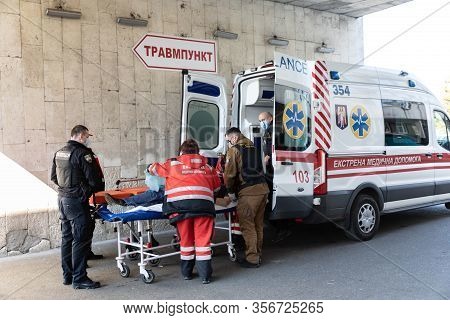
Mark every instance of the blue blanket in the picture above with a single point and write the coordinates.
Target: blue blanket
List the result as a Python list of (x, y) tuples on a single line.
[(147, 213)]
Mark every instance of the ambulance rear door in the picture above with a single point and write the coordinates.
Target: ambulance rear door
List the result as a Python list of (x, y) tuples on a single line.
[(204, 112), (293, 156)]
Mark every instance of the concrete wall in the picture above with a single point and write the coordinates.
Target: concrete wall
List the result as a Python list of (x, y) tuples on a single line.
[(55, 73)]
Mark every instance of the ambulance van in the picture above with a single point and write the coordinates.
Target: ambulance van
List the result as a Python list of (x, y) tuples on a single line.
[(350, 142)]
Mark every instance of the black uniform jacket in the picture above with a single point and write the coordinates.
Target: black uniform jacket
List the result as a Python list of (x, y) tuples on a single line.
[(82, 174)]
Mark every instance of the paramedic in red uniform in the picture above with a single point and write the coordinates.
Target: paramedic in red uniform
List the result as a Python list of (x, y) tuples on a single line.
[(189, 203), (244, 176), (75, 173)]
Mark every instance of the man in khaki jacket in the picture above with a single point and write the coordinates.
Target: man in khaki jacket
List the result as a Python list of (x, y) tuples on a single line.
[(244, 177)]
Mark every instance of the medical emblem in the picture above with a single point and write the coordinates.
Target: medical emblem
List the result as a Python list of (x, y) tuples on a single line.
[(294, 119), (360, 122)]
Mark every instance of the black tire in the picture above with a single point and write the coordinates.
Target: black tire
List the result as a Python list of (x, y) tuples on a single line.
[(125, 272), (364, 218), (131, 256), (155, 262), (149, 277), (447, 205)]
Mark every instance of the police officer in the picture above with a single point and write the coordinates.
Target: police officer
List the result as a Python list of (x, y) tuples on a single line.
[(75, 174), (244, 176)]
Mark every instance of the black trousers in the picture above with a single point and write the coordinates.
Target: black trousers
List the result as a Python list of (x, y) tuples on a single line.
[(76, 229)]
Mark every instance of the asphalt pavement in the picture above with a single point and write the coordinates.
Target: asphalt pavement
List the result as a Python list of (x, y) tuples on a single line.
[(409, 258)]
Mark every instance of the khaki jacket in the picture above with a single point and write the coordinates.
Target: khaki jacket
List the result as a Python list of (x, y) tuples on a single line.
[(233, 167)]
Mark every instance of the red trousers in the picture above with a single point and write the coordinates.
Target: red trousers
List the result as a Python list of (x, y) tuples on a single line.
[(195, 243)]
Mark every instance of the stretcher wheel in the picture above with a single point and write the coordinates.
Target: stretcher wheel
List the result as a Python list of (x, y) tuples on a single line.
[(132, 256), (148, 277), (232, 255), (175, 243), (125, 271), (155, 262)]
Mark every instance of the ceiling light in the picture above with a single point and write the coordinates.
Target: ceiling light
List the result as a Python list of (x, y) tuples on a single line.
[(279, 42), (132, 22), (324, 49), (225, 34), (63, 13)]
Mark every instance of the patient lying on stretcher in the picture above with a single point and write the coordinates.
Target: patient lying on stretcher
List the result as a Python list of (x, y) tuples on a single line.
[(154, 194)]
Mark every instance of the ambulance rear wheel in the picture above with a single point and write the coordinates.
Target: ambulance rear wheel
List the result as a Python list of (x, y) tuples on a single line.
[(364, 218)]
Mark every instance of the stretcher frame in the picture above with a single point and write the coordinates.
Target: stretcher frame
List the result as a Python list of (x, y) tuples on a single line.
[(138, 242)]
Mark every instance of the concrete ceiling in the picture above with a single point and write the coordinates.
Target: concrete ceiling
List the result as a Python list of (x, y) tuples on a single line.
[(351, 8)]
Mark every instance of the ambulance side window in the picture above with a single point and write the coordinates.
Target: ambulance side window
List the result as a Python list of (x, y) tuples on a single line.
[(441, 127), (405, 123), (292, 119), (203, 124)]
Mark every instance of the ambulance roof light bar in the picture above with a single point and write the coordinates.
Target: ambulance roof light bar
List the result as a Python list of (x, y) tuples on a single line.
[(335, 75)]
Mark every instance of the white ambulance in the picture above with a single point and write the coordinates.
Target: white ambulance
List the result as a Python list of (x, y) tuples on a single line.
[(350, 142)]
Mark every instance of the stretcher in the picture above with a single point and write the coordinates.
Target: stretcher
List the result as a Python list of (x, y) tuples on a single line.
[(139, 241)]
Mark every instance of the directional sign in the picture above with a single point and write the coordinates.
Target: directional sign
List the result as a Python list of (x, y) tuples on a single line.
[(175, 53)]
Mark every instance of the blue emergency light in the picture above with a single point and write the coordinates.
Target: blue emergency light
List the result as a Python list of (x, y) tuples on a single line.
[(334, 75), (411, 83)]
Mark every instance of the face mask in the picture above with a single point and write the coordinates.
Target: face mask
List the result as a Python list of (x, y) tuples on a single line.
[(264, 124)]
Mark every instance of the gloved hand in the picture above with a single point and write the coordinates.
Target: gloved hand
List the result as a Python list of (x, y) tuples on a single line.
[(233, 197)]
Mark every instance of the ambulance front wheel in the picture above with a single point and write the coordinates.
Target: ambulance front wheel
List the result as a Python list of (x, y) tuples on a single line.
[(364, 218)]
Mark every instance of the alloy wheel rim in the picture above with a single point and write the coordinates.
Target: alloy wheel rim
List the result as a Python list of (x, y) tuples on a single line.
[(366, 218)]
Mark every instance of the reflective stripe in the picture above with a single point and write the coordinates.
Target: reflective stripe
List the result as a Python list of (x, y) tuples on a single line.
[(207, 257), (175, 162), (190, 196), (190, 257), (187, 248), (154, 171), (236, 232), (189, 188), (202, 249)]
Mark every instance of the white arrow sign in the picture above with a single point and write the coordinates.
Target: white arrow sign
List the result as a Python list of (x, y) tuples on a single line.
[(175, 53)]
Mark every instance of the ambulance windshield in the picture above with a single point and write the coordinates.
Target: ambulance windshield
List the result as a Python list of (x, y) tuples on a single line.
[(292, 118)]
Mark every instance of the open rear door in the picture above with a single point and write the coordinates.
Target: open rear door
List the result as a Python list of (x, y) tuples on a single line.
[(293, 153), (204, 112)]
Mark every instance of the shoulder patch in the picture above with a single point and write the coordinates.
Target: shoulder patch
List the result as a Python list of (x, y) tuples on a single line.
[(88, 158)]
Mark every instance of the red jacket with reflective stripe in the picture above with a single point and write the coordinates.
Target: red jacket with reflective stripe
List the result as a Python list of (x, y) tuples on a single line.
[(190, 186)]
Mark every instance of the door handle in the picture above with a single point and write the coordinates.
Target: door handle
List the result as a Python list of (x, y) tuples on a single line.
[(428, 155), (440, 155), (286, 163)]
